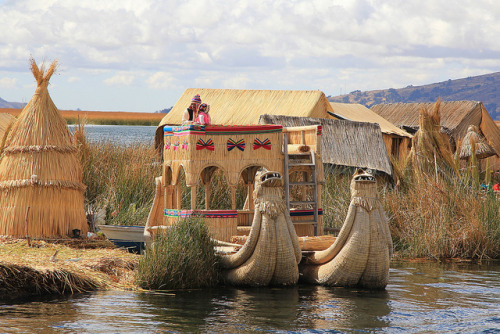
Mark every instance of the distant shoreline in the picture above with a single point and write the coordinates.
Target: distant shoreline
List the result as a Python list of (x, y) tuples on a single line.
[(102, 117)]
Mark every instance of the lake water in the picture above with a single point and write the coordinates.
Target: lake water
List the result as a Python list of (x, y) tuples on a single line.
[(420, 298), (122, 134)]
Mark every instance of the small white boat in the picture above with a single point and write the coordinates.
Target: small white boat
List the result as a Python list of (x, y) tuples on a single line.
[(130, 237)]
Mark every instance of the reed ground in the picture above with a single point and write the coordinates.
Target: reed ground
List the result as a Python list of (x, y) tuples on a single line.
[(37, 268)]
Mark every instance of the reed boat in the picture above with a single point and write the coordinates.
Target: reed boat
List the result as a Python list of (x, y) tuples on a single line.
[(282, 171)]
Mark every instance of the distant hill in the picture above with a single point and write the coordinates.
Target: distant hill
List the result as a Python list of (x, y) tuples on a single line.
[(484, 88), (15, 105)]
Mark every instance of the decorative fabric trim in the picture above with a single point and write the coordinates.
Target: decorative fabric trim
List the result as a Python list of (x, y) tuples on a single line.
[(266, 144), (197, 129), (201, 144), (38, 149), (240, 144), (320, 130), (167, 144), (185, 144), (175, 213)]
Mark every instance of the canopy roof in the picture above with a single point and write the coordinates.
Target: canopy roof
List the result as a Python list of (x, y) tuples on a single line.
[(344, 143)]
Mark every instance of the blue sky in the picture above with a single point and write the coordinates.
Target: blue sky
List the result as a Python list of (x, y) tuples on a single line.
[(130, 55)]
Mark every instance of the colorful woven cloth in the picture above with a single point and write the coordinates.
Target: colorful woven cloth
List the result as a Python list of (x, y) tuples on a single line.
[(240, 144), (266, 143), (201, 144)]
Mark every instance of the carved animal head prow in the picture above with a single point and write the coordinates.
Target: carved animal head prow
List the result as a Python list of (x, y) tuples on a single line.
[(269, 193), (363, 184), (265, 178)]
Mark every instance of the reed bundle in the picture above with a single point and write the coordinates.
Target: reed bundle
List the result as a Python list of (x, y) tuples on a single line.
[(41, 190), (431, 152)]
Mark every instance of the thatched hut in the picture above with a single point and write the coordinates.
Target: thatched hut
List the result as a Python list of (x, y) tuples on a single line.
[(6, 121), (397, 141), (244, 107), (456, 117), (41, 190), (344, 143)]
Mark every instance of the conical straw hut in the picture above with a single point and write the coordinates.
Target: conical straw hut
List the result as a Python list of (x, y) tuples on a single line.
[(483, 150), (41, 190)]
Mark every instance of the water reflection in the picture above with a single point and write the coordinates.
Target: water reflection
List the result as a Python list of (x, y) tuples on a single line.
[(419, 298)]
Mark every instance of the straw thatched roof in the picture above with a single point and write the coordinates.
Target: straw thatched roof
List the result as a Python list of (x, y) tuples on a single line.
[(41, 190), (483, 150), (360, 113), (244, 107), (5, 120), (456, 116), (344, 143)]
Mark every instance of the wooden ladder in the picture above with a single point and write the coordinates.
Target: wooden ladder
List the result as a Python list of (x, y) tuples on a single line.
[(311, 165)]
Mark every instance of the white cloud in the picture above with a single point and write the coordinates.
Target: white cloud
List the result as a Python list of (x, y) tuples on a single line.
[(74, 79), (160, 80), (120, 80), (263, 44), (8, 83)]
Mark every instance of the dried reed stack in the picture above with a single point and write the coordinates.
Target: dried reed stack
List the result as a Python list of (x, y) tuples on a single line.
[(41, 189), (431, 151), (482, 149)]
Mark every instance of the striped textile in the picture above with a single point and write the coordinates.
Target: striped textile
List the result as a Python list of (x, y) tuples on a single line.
[(240, 144)]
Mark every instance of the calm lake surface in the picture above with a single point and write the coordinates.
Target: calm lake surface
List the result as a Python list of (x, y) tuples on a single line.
[(122, 134), (420, 298)]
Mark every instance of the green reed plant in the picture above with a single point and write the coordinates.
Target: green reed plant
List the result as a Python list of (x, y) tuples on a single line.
[(119, 178), (181, 257)]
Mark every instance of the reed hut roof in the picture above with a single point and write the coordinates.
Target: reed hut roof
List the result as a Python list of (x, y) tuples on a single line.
[(5, 120), (360, 113), (456, 116), (344, 143), (41, 190), (244, 107), (483, 150)]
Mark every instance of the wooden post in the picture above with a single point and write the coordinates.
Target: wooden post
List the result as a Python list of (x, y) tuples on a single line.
[(178, 198), (26, 226), (251, 204), (193, 197), (233, 197)]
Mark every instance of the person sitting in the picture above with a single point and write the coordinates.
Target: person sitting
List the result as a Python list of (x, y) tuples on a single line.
[(203, 116), (190, 114)]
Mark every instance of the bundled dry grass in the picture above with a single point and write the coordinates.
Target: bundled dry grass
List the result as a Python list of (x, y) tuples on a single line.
[(41, 189), (38, 268)]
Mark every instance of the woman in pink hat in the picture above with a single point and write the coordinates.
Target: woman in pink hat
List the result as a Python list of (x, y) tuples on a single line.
[(203, 116), (190, 114)]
